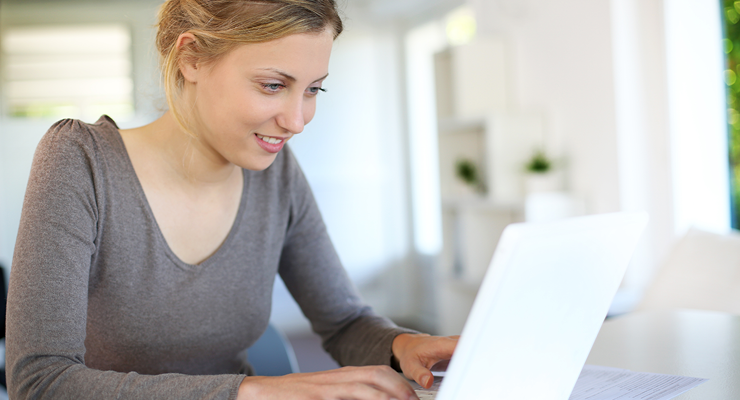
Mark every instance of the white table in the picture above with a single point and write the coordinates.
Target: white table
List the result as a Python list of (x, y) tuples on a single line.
[(701, 344)]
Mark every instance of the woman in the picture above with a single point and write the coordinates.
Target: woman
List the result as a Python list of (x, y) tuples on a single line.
[(145, 259)]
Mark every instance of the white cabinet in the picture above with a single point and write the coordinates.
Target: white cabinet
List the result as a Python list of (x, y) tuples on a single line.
[(471, 79), (476, 124)]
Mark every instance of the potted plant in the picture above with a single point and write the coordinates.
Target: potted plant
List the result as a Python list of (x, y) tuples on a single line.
[(541, 176), (467, 173)]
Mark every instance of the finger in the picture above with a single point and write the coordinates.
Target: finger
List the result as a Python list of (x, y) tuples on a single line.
[(419, 373), (385, 379), (449, 344), (440, 350), (389, 380), (440, 366), (360, 391)]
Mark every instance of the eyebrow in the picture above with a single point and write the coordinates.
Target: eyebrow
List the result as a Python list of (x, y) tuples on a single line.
[(288, 76)]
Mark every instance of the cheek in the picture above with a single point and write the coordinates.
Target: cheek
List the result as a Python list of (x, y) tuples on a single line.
[(234, 107), (215, 100)]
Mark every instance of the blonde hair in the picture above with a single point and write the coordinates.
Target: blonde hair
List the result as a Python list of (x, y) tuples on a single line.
[(221, 25)]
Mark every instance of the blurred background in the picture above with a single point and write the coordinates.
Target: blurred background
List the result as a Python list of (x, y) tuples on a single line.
[(444, 121)]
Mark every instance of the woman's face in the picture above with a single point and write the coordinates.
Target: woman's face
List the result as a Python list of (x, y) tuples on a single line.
[(254, 99)]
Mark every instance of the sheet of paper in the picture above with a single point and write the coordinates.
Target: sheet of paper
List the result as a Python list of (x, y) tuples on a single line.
[(604, 383)]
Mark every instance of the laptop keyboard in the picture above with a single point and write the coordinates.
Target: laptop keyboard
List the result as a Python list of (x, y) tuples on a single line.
[(427, 394)]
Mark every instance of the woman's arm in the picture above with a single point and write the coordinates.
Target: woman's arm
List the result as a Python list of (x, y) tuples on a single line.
[(416, 354), (351, 332), (310, 267)]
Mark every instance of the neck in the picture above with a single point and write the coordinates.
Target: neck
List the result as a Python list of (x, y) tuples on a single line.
[(186, 156)]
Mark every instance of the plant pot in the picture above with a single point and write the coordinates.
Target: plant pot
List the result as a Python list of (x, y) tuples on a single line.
[(543, 182), (465, 190)]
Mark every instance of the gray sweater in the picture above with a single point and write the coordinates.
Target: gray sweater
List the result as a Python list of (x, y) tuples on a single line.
[(100, 307)]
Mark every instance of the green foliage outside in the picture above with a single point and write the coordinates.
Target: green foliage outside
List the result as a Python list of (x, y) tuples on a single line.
[(731, 22)]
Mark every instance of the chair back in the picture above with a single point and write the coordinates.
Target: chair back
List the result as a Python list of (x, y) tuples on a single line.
[(702, 272), (272, 354)]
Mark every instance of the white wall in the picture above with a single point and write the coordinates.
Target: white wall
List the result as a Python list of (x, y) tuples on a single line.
[(18, 141)]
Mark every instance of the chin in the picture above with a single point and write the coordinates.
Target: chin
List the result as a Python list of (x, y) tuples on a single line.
[(259, 163)]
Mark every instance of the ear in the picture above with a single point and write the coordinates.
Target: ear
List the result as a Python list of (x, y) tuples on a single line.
[(189, 66)]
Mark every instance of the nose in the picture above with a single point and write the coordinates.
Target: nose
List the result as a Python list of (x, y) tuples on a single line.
[(291, 116)]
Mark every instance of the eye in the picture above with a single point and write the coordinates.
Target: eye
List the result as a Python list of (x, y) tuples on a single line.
[(272, 87), (314, 90)]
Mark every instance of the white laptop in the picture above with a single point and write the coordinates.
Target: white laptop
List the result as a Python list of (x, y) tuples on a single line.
[(540, 307)]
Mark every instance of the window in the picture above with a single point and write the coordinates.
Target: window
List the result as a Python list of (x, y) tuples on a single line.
[(76, 71), (697, 111), (731, 26)]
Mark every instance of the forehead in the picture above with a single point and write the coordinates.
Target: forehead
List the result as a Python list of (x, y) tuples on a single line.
[(302, 55)]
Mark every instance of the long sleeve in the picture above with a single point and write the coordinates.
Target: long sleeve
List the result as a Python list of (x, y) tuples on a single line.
[(314, 275), (48, 294)]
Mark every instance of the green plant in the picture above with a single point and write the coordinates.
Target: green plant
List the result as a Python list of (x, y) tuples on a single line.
[(467, 172), (539, 163)]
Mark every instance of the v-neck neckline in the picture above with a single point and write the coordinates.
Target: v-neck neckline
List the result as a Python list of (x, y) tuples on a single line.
[(150, 214)]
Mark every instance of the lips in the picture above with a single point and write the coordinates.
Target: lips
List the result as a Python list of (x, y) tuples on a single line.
[(270, 144)]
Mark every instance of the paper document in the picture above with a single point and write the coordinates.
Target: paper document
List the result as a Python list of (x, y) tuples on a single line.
[(604, 383)]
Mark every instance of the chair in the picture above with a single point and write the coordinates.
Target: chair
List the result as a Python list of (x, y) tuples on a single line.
[(702, 272), (272, 354), (3, 307)]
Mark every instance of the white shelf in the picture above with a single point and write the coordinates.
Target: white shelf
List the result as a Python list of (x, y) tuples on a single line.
[(475, 124), (481, 203), (452, 125)]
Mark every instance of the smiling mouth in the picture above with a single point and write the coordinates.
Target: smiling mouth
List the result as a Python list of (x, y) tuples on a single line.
[(270, 140)]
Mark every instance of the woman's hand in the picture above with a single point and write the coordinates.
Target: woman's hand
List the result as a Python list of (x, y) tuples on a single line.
[(348, 383), (417, 353)]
